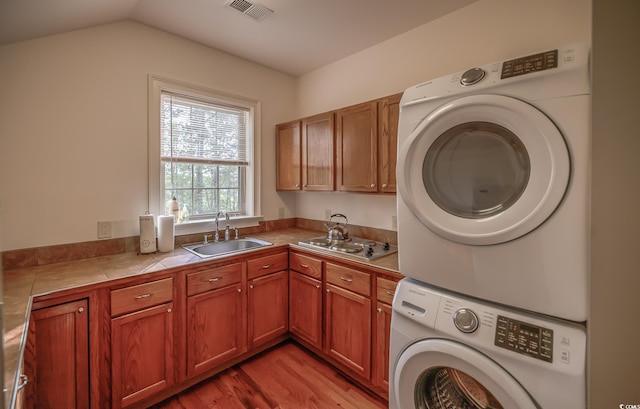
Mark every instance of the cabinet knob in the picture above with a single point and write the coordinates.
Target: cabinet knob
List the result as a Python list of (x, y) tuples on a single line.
[(169, 310), (239, 290), (328, 290), (24, 380), (384, 185), (297, 184), (251, 286), (318, 286), (81, 310), (373, 185), (379, 309)]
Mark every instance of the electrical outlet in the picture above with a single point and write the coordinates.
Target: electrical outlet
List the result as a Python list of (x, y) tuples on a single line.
[(281, 213), (104, 230), (327, 214), (394, 222)]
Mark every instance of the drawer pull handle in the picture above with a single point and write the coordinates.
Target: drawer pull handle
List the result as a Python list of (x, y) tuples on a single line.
[(147, 295), (348, 280), (214, 279), (266, 266), (24, 380), (304, 265), (389, 292)]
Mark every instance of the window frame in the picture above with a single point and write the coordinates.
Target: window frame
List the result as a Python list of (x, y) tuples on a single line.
[(156, 206)]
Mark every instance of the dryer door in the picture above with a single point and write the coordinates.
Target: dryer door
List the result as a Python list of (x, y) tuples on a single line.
[(444, 374), (483, 169)]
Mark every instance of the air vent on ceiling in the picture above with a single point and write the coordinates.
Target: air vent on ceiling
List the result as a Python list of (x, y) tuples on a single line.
[(254, 10)]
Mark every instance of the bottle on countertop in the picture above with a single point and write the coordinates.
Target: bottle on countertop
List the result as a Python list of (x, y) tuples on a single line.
[(174, 208), (184, 214)]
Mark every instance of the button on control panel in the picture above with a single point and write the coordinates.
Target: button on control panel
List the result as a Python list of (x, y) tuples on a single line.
[(524, 338)]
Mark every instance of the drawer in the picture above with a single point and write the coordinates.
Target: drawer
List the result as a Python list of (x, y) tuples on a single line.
[(349, 279), (213, 278), (306, 265), (139, 297), (267, 265), (386, 290)]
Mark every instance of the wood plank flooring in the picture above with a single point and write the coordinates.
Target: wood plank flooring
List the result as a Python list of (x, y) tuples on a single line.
[(286, 377)]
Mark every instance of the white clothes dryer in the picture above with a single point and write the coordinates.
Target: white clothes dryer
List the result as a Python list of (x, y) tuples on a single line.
[(493, 182), (449, 351)]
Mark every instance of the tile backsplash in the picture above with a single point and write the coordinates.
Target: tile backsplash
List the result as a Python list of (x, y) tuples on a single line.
[(37, 256)]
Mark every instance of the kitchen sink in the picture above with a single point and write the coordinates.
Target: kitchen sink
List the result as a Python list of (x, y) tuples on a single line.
[(226, 247)]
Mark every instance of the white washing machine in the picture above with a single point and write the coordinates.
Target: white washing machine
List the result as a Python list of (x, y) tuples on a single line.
[(449, 351), (493, 182)]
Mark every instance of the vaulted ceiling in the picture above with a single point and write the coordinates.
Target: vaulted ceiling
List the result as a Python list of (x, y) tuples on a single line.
[(298, 37)]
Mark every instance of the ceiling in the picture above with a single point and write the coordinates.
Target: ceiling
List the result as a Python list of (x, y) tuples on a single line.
[(299, 37)]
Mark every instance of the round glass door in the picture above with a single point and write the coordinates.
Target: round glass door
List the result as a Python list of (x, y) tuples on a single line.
[(449, 388), (444, 374), (483, 169), (476, 170)]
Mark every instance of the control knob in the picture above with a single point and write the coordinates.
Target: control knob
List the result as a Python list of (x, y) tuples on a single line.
[(466, 320), (472, 76)]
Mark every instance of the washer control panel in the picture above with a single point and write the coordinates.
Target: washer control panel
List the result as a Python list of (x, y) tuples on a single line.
[(529, 64), (524, 338)]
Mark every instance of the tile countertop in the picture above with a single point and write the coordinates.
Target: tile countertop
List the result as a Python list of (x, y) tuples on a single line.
[(21, 285)]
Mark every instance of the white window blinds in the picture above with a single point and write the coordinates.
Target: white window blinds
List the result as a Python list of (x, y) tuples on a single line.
[(195, 131)]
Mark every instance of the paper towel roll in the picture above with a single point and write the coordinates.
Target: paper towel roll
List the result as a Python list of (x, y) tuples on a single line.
[(166, 233)]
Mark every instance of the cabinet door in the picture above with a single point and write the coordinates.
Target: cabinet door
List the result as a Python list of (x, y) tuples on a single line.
[(348, 329), (380, 365), (142, 354), (357, 148), (305, 308), (389, 112), (214, 328), (268, 298), (317, 152), (288, 171), (57, 357)]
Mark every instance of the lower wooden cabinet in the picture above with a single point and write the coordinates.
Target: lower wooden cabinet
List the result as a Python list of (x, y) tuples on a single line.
[(142, 347), (57, 357), (142, 354), (267, 305), (380, 356), (214, 328), (305, 308), (348, 329)]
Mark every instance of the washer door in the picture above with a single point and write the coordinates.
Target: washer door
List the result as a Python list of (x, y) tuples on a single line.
[(444, 374), (483, 169)]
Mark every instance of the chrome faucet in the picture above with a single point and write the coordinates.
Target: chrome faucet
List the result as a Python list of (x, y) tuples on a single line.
[(226, 228), (216, 236)]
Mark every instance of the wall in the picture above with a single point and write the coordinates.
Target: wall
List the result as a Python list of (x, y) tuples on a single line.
[(73, 120), (485, 31), (614, 333)]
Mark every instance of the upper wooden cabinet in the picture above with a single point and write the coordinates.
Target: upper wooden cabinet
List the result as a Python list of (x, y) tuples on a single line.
[(388, 116), (305, 154), (318, 152), (358, 154), (357, 148), (288, 143)]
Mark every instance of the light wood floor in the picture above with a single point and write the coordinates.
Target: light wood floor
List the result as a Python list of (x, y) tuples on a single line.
[(287, 377)]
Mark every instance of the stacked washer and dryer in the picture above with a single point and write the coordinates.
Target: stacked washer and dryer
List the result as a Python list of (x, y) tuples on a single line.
[(493, 233)]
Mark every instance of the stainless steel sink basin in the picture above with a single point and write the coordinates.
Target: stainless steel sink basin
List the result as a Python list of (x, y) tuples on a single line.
[(220, 248)]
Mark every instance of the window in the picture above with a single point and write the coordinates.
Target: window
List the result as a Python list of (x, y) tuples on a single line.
[(202, 150), (203, 154)]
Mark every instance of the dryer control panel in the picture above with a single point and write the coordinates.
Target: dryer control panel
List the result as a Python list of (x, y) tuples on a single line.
[(524, 338)]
